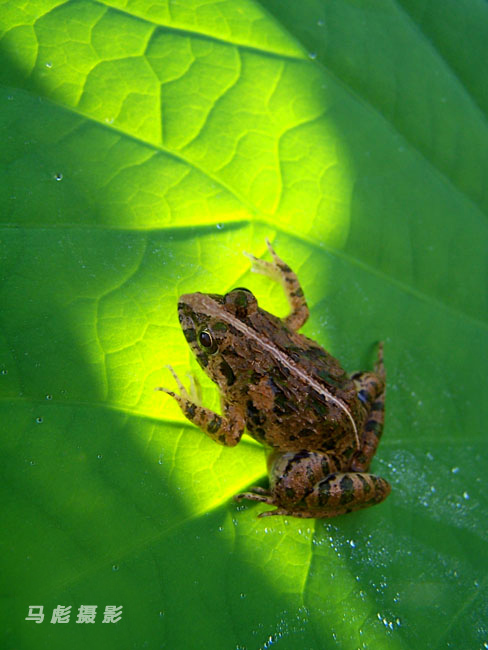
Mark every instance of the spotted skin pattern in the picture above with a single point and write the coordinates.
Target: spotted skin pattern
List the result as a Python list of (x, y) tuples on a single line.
[(321, 426)]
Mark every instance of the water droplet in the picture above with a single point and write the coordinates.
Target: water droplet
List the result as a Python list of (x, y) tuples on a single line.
[(312, 55), (115, 567), (320, 23), (466, 495), (243, 595), (58, 176), (39, 420), (220, 226), (99, 456), (49, 397), (32, 462), (49, 64), (161, 613), (4, 371), (455, 470)]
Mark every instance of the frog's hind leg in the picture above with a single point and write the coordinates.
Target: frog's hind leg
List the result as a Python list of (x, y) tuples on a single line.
[(336, 494), (371, 392), (344, 492), (309, 485)]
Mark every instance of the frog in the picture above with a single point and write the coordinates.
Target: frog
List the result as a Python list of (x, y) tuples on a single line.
[(320, 426)]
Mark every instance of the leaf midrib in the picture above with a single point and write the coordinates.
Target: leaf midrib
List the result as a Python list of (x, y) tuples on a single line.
[(429, 299)]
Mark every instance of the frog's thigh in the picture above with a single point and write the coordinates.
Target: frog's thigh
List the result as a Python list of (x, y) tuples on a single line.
[(344, 492), (308, 484), (292, 476)]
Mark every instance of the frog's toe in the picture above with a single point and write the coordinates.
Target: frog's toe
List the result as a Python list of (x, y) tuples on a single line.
[(195, 392), (191, 396), (166, 390), (270, 513), (257, 494), (261, 266)]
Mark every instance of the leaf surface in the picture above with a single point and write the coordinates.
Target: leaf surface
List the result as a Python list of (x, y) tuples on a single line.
[(145, 146)]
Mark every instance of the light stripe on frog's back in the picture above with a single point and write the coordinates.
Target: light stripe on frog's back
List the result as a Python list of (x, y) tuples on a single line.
[(200, 302)]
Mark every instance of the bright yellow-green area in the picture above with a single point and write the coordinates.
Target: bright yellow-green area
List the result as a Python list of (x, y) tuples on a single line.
[(216, 129), (145, 145)]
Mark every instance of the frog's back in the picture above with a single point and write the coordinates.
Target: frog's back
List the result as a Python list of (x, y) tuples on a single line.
[(302, 352), (300, 394)]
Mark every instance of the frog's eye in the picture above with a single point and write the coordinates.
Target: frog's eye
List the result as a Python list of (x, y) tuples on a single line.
[(207, 342)]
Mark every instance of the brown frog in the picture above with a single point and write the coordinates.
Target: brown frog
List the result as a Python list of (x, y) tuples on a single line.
[(321, 426)]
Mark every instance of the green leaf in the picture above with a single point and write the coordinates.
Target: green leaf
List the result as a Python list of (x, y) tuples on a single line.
[(145, 146)]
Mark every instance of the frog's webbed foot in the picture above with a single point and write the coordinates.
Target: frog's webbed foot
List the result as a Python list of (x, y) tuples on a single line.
[(256, 493), (266, 496), (263, 496), (280, 272), (277, 511)]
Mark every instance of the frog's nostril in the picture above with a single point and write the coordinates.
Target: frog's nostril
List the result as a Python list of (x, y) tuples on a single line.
[(182, 306), (190, 334)]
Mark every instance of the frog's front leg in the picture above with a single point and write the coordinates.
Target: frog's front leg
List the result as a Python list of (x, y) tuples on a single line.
[(280, 272), (308, 484), (226, 430)]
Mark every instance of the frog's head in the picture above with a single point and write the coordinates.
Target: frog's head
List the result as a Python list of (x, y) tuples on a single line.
[(216, 327)]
